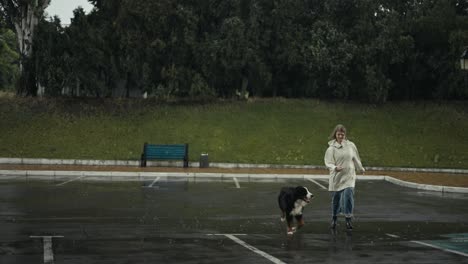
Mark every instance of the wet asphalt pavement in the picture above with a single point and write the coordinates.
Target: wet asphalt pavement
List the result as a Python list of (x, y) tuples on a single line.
[(222, 221)]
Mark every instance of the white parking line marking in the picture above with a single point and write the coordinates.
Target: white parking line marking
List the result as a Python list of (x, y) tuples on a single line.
[(77, 178), (155, 180), (392, 235), (236, 182), (254, 249), (440, 248), (48, 252), (320, 185)]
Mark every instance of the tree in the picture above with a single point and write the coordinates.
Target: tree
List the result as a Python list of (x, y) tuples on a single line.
[(23, 16), (8, 59), (49, 53), (88, 56)]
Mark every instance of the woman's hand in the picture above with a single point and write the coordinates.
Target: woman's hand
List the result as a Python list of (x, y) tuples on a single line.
[(338, 168)]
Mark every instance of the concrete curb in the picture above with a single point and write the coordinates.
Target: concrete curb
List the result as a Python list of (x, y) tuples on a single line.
[(136, 163), (28, 161), (195, 176), (427, 187)]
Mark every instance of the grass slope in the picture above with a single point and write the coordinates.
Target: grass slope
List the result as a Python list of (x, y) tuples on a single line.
[(263, 131)]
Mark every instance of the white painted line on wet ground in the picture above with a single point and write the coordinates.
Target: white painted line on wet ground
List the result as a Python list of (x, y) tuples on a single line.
[(254, 249), (320, 185), (77, 178), (155, 180), (440, 248), (392, 235), (48, 252), (325, 181), (236, 182)]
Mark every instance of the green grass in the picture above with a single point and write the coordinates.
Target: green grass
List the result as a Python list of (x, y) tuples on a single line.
[(263, 131)]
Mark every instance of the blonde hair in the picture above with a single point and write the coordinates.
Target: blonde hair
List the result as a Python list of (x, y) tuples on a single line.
[(338, 128)]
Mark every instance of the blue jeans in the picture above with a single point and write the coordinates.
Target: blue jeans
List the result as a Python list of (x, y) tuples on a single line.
[(343, 202)]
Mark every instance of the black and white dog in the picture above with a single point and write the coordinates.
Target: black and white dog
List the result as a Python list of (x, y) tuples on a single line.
[(292, 201)]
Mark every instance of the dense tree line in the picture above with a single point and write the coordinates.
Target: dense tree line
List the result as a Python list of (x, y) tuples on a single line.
[(9, 57), (362, 50)]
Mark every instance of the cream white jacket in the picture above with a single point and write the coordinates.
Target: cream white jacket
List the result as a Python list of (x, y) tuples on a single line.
[(345, 155)]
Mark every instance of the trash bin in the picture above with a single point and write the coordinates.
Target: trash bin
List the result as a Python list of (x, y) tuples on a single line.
[(204, 163)]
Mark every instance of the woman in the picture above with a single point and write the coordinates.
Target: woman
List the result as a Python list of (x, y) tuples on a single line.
[(342, 160)]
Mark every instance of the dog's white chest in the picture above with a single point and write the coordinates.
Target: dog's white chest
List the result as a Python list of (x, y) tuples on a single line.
[(298, 206)]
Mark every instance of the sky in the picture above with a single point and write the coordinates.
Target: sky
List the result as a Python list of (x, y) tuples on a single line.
[(64, 8)]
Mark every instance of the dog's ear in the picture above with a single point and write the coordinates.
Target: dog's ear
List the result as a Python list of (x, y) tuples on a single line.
[(301, 191)]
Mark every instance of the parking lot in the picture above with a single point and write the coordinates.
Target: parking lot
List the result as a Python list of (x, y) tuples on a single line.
[(221, 220)]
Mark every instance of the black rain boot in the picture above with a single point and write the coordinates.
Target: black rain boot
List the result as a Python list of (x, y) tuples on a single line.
[(333, 222), (349, 224)]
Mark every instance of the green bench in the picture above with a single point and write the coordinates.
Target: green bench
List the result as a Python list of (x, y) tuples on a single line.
[(165, 152)]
